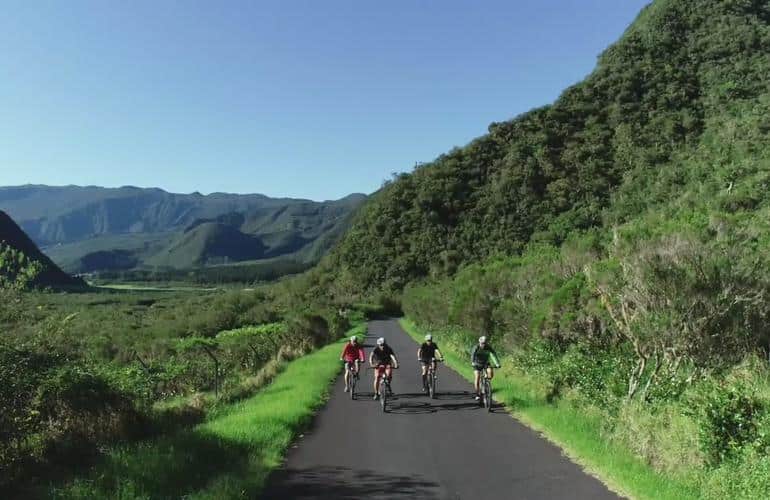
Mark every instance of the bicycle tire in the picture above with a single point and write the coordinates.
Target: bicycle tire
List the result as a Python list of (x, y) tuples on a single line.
[(353, 379), (432, 385), (383, 397), (487, 394)]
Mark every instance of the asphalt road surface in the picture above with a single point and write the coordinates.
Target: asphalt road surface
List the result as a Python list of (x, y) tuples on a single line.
[(444, 448)]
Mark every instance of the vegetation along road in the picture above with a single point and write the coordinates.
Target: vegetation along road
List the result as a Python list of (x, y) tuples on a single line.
[(422, 448)]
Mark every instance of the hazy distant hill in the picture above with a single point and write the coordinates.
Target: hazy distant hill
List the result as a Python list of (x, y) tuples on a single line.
[(12, 236), (90, 228)]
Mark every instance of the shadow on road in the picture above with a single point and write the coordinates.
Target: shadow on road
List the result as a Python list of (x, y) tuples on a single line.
[(345, 483)]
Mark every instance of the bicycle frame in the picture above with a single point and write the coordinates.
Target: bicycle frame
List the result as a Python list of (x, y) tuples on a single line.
[(353, 376)]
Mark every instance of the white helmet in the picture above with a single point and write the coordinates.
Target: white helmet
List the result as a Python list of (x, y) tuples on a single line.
[(354, 339), (429, 337), (482, 340), (381, 341)]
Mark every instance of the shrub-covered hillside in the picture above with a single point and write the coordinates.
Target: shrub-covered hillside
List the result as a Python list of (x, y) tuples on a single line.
[(614, 245), (21, 262), (678, 98)]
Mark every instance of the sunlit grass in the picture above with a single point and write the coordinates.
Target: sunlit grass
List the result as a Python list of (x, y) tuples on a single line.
[(577, 432), (227, 457)]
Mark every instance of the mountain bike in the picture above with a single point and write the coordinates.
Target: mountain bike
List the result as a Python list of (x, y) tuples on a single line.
[(431, 379), (386, 392), (485, 384), (352, 378)]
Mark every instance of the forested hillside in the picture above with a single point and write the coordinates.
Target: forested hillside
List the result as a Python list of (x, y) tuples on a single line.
[(87, 229), (612, 244), (22, 263), (674, 100)]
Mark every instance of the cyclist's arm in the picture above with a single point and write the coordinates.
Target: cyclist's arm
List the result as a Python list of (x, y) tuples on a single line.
[(493, 354), (371, 359), (419, 352), (342, 355), (361, 354), (440, 356), (473, 354), (395, 361)]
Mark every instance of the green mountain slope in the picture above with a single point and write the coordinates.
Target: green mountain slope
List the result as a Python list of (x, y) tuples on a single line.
[(670, 83), (209, 243), (13, 239), (86, 228), (613, 246)]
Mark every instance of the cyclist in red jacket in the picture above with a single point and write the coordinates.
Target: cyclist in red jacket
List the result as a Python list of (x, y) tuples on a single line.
[(352, 355)]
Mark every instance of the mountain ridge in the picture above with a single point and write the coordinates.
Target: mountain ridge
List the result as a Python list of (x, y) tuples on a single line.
[(70, 223)]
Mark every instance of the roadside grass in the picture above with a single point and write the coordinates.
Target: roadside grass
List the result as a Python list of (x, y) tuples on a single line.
[(578, 432), (230, 455)]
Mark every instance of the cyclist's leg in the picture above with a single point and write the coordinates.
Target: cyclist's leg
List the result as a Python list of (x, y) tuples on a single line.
[(490, 372), (424, 367), (347, 375), (389, 371), (476, 379), (376, 381)]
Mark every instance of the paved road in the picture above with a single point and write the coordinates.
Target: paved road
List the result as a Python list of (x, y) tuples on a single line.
[(447, 448)]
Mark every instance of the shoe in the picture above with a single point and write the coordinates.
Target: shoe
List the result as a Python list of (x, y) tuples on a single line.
[(423, 389), (477, 398), (376, 397), (346, 389)]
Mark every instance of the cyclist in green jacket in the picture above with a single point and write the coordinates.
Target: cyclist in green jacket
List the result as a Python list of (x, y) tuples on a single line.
[(480, 359)]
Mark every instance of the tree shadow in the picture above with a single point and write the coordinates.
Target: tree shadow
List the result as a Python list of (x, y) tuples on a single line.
[(175, 466), (346, 483)]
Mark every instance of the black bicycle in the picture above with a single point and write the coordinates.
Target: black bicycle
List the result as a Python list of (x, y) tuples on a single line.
[(485, 384), (386, 392), (352, 378), (431, 379)]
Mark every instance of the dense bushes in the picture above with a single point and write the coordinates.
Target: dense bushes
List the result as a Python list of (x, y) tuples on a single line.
[(87, 369), (54, 405)]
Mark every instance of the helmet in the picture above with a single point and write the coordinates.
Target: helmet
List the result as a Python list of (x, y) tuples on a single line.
[(429, 337), (482, 340), (354, 339), (381, 341)]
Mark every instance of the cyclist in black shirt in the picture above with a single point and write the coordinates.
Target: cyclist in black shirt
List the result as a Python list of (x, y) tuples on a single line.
[(426, 355), (383, 359)]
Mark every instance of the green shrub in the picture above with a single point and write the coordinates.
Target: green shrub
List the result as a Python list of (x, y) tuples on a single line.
[(730, 418)]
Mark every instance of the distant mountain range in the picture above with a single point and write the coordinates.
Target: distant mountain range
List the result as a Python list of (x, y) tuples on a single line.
[(86, 229)]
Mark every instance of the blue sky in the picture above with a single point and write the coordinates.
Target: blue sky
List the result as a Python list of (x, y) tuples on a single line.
[(313, 99)]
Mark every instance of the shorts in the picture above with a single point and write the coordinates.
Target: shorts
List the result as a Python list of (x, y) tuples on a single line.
[(382, 368), (481, 368), (426, 361)]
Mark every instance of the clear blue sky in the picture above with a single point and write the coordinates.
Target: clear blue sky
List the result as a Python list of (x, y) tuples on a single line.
[(312, 99)]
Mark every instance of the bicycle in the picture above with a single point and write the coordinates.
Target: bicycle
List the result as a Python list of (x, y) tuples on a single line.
[(352, 378), (431, 378), (387, 392), (485, 385)]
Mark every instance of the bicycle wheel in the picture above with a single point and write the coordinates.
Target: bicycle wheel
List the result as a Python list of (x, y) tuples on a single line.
[(383, 396), (353, 379), (432, 384), (487, 394)]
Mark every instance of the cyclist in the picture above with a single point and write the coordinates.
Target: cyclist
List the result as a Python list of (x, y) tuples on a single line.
[(352, 355), (427, 354), (384, 360), (480, 359)]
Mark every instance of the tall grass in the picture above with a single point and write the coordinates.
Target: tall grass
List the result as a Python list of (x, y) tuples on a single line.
[(229, 456), (577, 431)]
